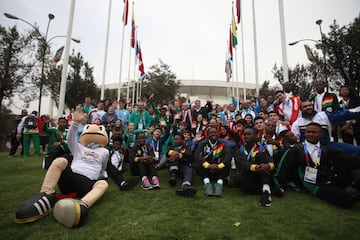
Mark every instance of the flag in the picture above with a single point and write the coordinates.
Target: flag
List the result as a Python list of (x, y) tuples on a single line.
[(230, 46), (126, 12), (309, 54), (133, 28), (233, 30), (238, 10), (229, 57), (140, 61), (58, 55)]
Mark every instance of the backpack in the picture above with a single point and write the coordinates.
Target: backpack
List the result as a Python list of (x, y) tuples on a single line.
[(31, 122)]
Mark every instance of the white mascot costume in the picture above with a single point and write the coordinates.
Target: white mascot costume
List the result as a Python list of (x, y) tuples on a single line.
[(84, 178)]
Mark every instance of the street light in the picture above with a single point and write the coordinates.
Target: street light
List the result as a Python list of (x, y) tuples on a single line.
[(301, 40), (45, 44), (318, 22)]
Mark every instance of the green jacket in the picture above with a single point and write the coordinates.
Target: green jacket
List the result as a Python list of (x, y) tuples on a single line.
[(56, 135)]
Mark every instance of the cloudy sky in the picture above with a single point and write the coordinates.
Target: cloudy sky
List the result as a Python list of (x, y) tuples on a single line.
[(189, 35)]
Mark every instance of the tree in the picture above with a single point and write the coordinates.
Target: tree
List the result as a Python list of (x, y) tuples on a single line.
[(266, 90), (15, 68), (342, 46), (80, 81), (161, 82), (301, 77)]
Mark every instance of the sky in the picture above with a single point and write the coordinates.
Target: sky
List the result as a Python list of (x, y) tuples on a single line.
[(189, 35)]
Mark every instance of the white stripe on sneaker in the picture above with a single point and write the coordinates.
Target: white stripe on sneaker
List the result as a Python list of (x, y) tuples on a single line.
[(38, 208), (46, 200)]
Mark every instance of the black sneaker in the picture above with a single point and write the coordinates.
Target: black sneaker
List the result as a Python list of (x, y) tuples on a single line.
[(172, 180), (70, 212), (186, 191), (35, 208), (130, 184), (265, 199)]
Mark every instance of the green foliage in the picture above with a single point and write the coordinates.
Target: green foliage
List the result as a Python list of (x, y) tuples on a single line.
[(301, 77), (343, 50), (161, 81), (15, 69), (160, 214), (266, 90), (80, 81)]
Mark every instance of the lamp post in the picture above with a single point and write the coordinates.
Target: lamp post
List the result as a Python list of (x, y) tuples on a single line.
[(301, 40), (44, 44), (318, 22)]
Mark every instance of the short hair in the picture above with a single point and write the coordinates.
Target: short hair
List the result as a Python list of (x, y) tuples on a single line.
[(116, 139), (258, 117), (314, 124), (242, 122), (278, 91), (179, 134), (253, 129), (62, 118)]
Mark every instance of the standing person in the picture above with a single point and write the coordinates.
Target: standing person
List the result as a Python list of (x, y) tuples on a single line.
[(122, 114), (87, 106), (288, 89), (97, 112), (325, 101), (254, 167), (288, 108), (212, 162), (198, 109), (15, 142), (30, 127), (324, 171), (44, 137), (140, 117), (349, 129), (109, 119)]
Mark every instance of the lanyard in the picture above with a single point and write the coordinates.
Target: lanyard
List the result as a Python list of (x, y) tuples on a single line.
[(144, 149), (157, 145), (307, 155), (247, 155)]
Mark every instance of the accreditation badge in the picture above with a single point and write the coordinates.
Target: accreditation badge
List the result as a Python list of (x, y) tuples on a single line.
[(140, 126), (156, 155), (310, 175)]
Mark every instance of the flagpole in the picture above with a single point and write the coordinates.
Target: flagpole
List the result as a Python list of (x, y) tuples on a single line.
[(128, 82), (235, 59), (66, 60), (121, 63), (105, 54), (135, 80), (283, 42), (242, 52), (255, 49)]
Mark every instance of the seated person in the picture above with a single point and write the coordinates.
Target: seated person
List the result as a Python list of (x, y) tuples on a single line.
[(254, 167), (142, 162), (115, 166), (324, 171), (212, 162), (84, 177), (180, 160)]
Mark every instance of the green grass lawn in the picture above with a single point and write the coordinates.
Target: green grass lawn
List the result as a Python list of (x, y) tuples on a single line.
[(160, 214)]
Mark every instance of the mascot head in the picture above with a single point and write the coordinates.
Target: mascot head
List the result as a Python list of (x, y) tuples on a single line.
[(93, 133)]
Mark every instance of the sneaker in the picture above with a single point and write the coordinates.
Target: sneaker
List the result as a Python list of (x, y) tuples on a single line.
[(186, 191), (208, 189), (172, 180), (70, 212), (155, 182), (146, 185), (218, 192), (129, 184), (265, 199), (35, 208)]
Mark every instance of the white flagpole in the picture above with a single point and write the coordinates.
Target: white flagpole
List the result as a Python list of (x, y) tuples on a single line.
[(255, 49), (128, 82), (66, 60), (283, 42), (135, 80), (121, 63), (105, 54), (242, 52)]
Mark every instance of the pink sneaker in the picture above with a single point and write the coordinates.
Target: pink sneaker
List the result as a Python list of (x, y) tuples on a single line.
[(155, 182), (146, 184)]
